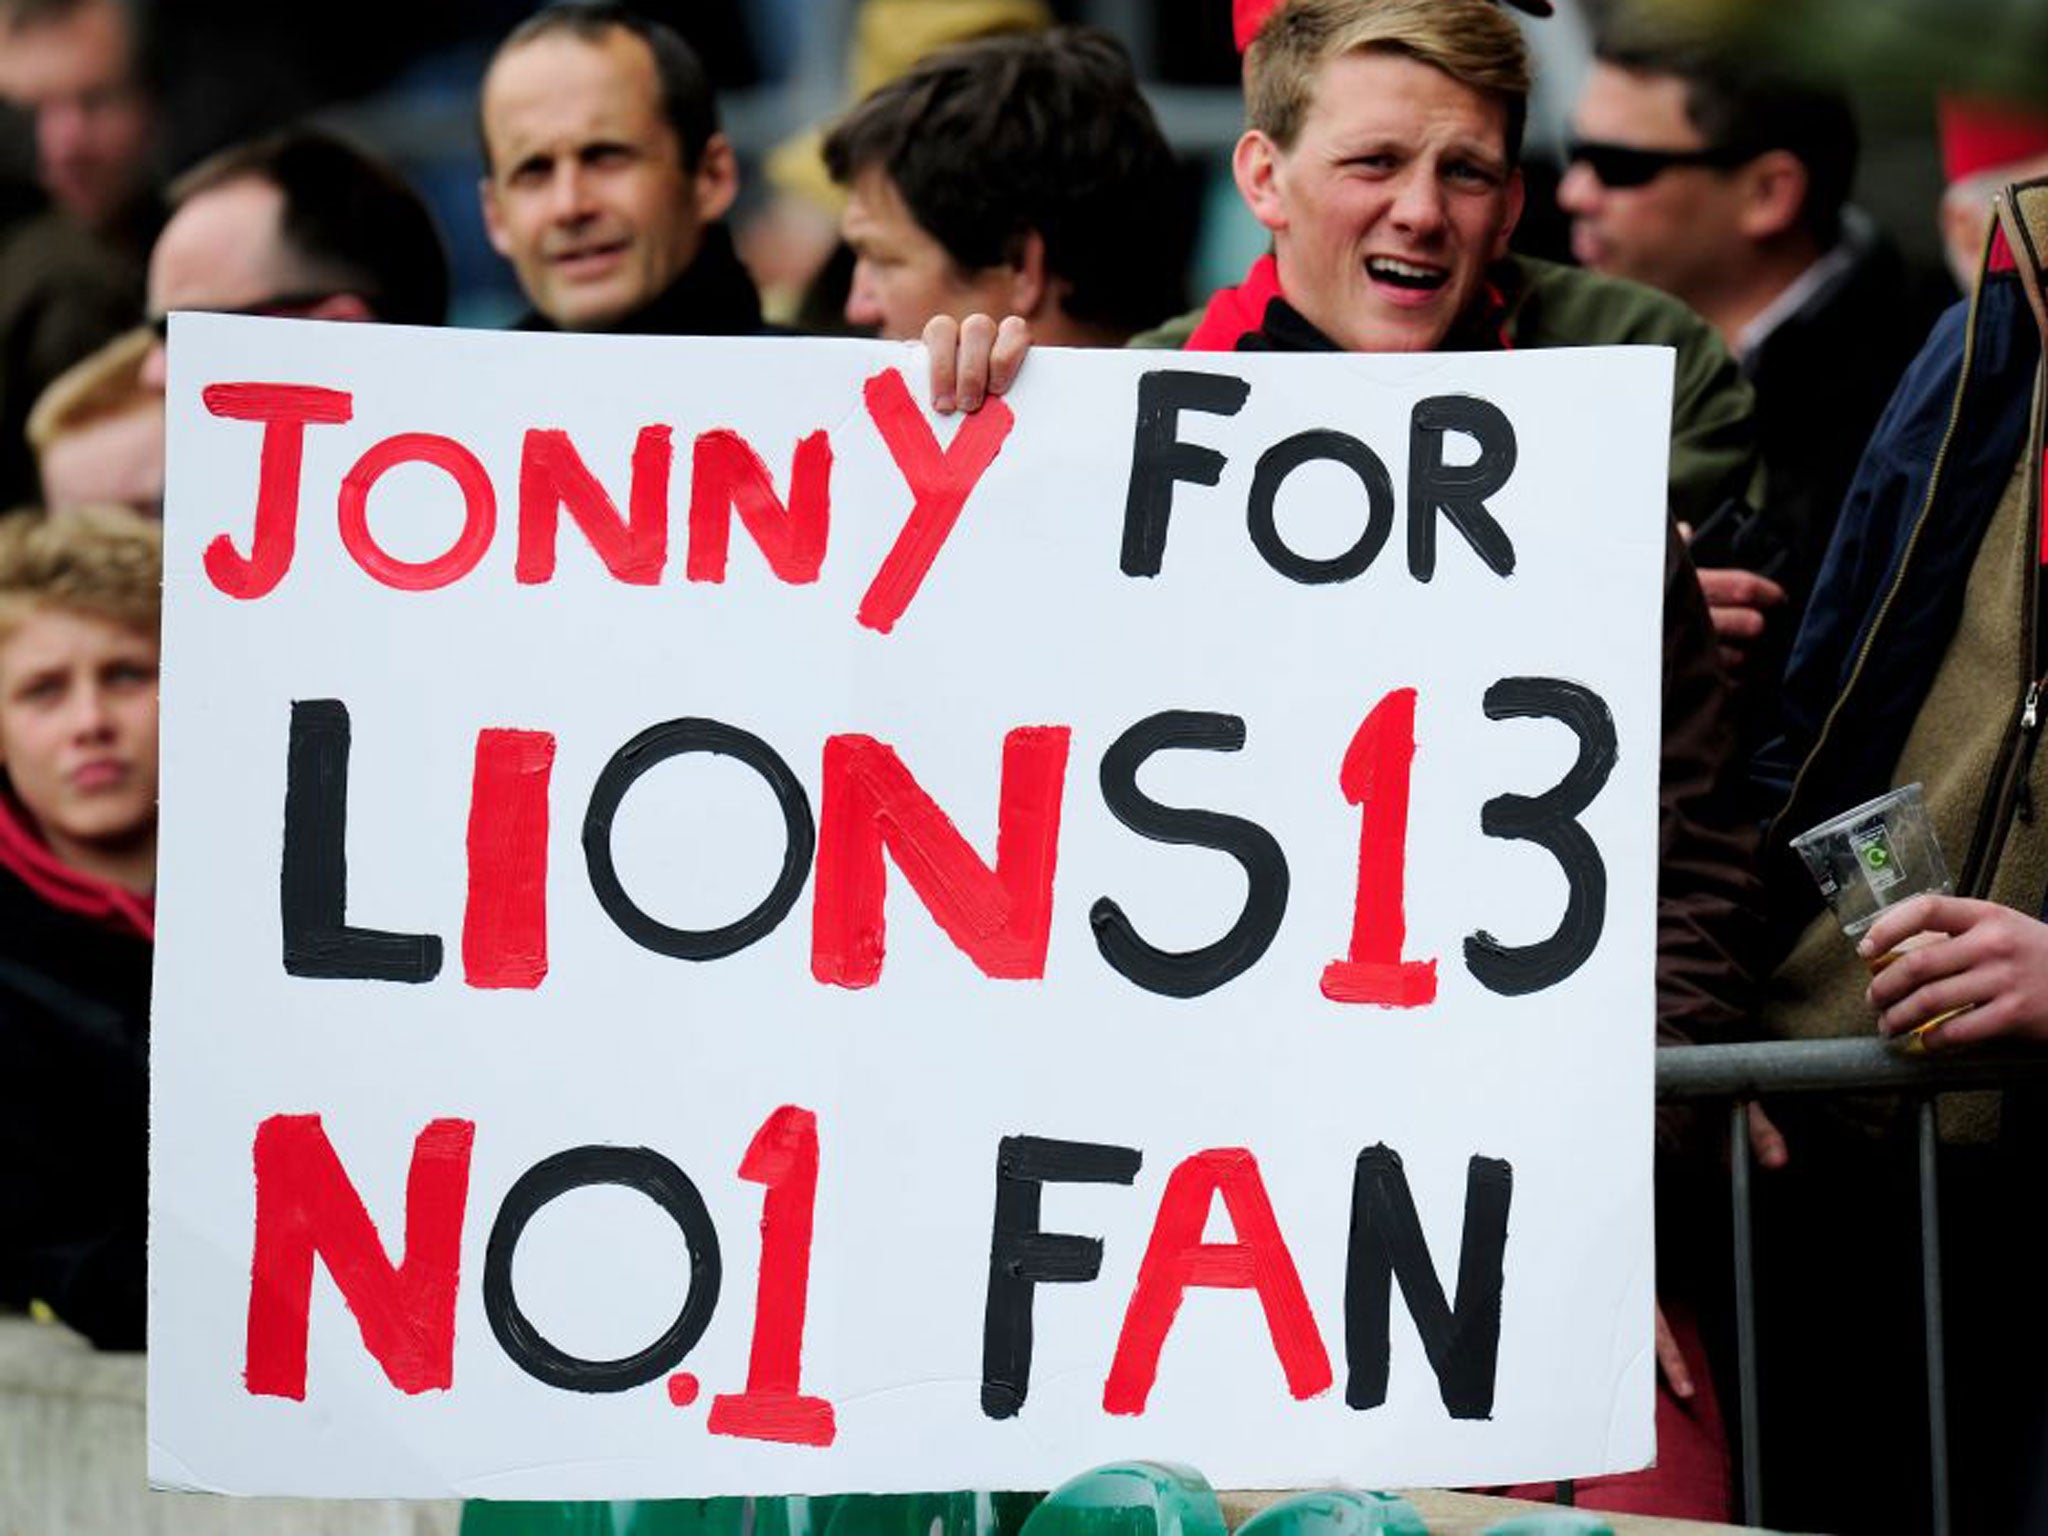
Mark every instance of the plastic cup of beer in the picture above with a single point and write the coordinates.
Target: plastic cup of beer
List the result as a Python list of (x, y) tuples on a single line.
[(1879, 854)]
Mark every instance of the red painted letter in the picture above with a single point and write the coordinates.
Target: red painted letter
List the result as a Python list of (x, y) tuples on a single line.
[(552, 475), (1001, 920), (940, 480), (306, 1204), (479, 511), (505, 925), (1375, 776), (727, 476), (783, 1156), (285, 410), (1177, 1258)]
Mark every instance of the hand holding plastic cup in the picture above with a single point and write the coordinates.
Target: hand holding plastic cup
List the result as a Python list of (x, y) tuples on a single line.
[(1879, 854)]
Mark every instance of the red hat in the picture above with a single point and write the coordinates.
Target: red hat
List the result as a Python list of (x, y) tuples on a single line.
[(1982, 135), (1247, 16)]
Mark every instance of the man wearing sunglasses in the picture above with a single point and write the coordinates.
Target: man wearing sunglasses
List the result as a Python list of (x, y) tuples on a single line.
[(1726, 184)]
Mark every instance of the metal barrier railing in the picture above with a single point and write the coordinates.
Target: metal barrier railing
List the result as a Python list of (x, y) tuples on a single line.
[(1744, 1073)]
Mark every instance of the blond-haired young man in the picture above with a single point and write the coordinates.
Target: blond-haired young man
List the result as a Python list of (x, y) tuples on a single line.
[(79, 599)]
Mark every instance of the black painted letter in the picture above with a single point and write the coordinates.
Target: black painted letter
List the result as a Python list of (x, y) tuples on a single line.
[(1020, 1256), (1159, 457), (1193, 972), (1459, 491), (1288, 455), (1549, 821), (655, 745), (313, 880), (580, 1168), (1463, 1344)]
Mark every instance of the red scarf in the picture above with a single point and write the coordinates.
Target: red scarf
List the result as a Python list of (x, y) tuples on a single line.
[(25, 855), (1234, 313), (1238, 312)]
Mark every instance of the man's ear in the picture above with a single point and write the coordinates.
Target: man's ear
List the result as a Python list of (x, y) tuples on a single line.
[(494, 219), (1774, 188), (1517, 196), (717, 180), (1256, 163), (1029, 286)]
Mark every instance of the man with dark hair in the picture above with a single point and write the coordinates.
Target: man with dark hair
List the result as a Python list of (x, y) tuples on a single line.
[(297, 223), (71, 249), (1014, 175), (1716, 178), (1725, 182), (605, 177), (348, 227), (73, 66)]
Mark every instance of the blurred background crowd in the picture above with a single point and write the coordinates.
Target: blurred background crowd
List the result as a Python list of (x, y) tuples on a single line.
[(402, 81)]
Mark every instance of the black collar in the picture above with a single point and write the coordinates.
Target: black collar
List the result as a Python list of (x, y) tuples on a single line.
[(1283, 328)]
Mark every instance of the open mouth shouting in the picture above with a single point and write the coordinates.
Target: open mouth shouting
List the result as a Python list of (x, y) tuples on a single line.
[(1410, 276)]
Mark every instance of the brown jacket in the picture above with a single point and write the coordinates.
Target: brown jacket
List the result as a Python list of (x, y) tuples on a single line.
[(1709, 896)]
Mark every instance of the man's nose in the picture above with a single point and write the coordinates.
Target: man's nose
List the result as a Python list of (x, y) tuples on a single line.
[(570, 194), (1579, 189), (61, 126), (863, 305), (1419, 203), (90, 718)]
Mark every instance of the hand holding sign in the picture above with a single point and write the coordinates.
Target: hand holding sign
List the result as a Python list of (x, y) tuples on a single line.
[(973, 359)]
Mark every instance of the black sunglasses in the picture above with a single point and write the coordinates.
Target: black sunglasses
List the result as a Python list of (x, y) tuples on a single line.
[(283, 307), (1624, 165)]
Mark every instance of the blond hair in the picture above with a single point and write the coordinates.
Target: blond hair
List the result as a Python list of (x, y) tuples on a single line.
[(1469, 40), (102, 384), (103, 561)]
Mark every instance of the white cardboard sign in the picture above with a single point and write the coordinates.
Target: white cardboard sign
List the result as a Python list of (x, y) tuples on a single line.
[(723, 934)]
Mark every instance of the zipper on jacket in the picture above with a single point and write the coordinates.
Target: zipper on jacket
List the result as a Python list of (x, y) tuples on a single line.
[(2007, 797), (2030, 727)]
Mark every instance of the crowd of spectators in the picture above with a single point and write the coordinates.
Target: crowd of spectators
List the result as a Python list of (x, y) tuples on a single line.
[(1853, 530)]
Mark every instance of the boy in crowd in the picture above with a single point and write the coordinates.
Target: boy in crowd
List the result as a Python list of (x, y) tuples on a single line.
[(79, 602)]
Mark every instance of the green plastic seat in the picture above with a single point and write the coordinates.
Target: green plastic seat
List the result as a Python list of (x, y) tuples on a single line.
[(1337, 1512), (684, 1517), (1553, 1522), (930, 1514), (1135, 1498), (796, 1515)]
